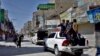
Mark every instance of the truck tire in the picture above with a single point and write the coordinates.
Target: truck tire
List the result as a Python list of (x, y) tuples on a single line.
[(57, 52), (79, 52)]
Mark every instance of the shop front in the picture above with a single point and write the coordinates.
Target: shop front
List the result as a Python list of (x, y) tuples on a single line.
[(94, 16)]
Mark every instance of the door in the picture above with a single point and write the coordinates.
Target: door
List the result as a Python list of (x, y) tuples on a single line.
[(50, 40)]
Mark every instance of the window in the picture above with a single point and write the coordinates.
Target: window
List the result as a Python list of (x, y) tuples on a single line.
[(51, 35), (62, 34)]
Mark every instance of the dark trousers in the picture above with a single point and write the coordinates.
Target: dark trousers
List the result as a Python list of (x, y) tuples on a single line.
[(73, 37), (98, 51), (19, 44)]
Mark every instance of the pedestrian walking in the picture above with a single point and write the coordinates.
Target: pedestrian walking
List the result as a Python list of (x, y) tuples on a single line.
[(20, 37)]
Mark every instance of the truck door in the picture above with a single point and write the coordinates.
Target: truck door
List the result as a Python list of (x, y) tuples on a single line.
[(50, 40)]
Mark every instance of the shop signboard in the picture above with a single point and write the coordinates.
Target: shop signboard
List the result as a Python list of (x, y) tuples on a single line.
[(46, 6), (94, 15)]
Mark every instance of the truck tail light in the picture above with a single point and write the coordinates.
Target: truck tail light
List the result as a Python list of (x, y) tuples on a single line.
[(65, 43)]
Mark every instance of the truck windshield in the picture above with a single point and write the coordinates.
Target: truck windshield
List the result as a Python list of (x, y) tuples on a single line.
[(52, 35), (62, 35)]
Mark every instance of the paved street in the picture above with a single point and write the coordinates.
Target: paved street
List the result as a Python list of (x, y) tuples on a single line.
[(29, 49), (92, 42)]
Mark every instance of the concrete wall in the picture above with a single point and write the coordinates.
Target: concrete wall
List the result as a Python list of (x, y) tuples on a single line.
[(62, 5), (86, 28)]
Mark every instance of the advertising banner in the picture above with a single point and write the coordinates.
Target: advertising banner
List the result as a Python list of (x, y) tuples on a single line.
[(94, 15)]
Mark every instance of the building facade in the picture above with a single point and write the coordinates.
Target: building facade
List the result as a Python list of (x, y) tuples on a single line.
[(6, 26), (27, 28)]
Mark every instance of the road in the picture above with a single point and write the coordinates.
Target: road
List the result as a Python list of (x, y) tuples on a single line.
[(29, 49)]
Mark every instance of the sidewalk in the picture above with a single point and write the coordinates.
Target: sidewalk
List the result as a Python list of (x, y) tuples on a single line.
[(90, 52), (6, 44), (91, 38), (12, 44)]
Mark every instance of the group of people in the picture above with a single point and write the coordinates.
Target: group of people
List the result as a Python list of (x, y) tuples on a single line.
[(18, 39), (69, 29)]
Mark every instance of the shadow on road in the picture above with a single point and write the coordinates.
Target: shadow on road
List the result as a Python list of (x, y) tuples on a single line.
[(12, 51), (85, 55)]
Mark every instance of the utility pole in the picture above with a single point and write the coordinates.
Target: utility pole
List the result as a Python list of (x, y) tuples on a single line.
[(0, 4), (43, 20)]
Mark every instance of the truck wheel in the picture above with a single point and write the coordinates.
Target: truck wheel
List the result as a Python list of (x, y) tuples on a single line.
[(79, 53), (57, 52)]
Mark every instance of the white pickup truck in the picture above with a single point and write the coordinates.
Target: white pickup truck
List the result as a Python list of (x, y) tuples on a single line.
[(60, 45)]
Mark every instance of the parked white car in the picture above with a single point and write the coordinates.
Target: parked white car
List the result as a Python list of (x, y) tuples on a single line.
[(60, 45)]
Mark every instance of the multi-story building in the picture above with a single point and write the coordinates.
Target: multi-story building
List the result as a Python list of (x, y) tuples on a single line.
[(63, 5), (37, 20), (50, 11), (51, 1), (27, 27), (34, 20), (68, 10), (85, 26), (76, 9), (6, 26), (47, 16)]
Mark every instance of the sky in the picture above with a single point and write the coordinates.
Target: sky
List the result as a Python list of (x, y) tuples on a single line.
[(20, 11)]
